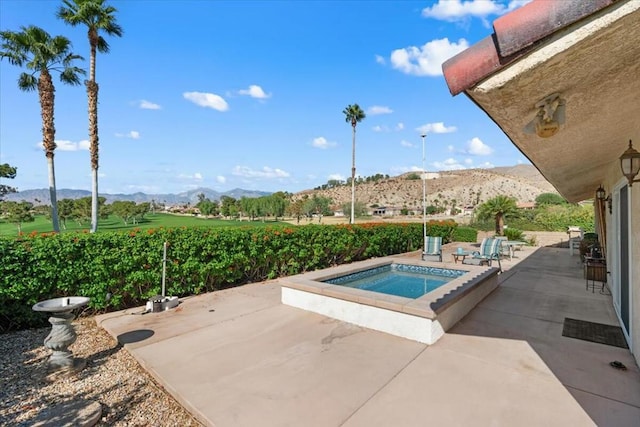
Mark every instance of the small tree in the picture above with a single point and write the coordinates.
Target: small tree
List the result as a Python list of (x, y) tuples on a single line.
[(360, 209), (66, 211), (296, 209), (228, 206), (207, 207), (9, 172), (500, 207), (82, 209), (549, 199), (17, 212)]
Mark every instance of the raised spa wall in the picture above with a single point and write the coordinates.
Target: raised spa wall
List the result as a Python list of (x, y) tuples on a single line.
[(424, 319)]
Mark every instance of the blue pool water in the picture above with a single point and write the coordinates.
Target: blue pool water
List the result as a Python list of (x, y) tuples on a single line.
[(409, 281)]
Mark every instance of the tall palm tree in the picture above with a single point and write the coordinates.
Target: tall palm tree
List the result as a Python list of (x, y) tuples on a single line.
[(42, 54), (354, 115), (499, 208), (97, 17)]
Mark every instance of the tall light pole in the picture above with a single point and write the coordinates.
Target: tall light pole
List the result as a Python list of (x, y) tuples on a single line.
[(424, 198), (353, 174)]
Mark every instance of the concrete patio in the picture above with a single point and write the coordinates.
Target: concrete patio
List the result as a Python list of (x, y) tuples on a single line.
[(240, 358)]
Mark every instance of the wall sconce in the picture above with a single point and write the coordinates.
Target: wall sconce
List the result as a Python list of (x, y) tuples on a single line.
[(601, 195), (630, 164)]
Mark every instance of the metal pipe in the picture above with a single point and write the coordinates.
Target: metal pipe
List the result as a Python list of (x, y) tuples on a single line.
[(424, 198), (164, 268)]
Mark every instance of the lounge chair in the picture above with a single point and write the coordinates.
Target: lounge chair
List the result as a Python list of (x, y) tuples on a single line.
[(432, 249), (490, 249)]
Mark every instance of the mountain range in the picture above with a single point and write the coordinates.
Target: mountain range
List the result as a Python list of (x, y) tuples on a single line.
[(466, 187), (41, 196)]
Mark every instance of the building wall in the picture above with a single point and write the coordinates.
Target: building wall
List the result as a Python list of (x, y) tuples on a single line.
[(615, 178)]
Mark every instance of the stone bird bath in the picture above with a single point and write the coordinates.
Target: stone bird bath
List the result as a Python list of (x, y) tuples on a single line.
[(62, 333)]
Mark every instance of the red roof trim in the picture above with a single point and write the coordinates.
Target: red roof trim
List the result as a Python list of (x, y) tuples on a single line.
[(514, 35), (538, 19)]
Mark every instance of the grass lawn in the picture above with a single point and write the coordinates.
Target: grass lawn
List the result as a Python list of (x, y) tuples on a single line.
[(114, 223)]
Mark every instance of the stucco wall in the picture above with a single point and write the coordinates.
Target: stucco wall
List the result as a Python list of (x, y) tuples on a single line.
[(615, 178)]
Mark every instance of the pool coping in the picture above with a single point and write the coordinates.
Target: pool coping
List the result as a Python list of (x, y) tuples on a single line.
[(427, 306), (425, 319)]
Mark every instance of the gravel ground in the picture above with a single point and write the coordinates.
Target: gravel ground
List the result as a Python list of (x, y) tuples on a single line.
[(112, 377)]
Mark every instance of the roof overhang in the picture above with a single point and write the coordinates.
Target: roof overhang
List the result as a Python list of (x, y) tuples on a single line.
[(592, 59)]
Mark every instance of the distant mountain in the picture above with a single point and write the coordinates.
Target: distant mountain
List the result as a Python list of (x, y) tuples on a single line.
[(41, 196), (466, 187)]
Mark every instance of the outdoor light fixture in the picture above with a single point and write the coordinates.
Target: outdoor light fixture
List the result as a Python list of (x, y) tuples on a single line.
[(602, 195), (630, 164)]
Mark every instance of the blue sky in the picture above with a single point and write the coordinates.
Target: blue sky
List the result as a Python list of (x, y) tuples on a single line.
[(250, 94)]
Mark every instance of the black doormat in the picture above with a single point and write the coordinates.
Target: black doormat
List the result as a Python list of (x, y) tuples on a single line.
[(594, 332)]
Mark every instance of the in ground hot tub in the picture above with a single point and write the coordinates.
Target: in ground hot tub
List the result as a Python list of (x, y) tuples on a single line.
[(402, 296)]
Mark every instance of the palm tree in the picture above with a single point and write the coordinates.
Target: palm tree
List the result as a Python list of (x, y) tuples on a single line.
[(42, 54), (354, 115), (499, 207), (97, 17)]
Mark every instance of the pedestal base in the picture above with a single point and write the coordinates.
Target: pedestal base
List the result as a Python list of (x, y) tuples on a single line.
[(61, 362)]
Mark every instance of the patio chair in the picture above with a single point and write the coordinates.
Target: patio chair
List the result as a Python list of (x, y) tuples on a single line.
[(432, 249), (490, 249)]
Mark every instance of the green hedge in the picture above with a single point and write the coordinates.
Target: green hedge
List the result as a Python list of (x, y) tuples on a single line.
[(128, 265), (465, 234)]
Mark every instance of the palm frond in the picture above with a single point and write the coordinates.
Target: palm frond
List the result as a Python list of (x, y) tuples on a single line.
[(27, 82), (102, 45)]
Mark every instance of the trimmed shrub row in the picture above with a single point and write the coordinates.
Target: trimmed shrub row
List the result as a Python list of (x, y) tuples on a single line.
[(465, 234), (128, 265)]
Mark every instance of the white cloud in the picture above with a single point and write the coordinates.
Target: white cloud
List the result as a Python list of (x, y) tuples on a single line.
[(478, 148), (468, 161), (65, 145), (407, 144), (455, 10), (451, 148), (426, 60), (221, 179), (148, 105), (486, 165), (197, 177), (378, 128), (460, 10), (266, 172), (322, 143), (379, 109), (438, 127), (254, 91), (337, 177), (449, 164), (380, 59), (400, 126), (207, 100), (134, 134)]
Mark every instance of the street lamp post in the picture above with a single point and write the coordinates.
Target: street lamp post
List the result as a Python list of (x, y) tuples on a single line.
[(424, 198)]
